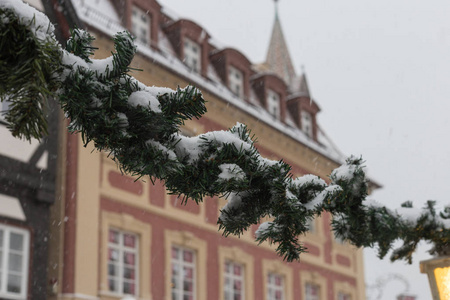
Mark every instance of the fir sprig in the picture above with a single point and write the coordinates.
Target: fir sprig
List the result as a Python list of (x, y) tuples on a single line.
[(139, 127), (29, 66)]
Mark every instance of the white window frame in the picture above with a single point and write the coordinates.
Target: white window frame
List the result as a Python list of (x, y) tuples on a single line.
[(273, 288), (308, 287), (236, 81), (232, 278), (141, 25), (5, 261), (120, 264), (192, 55), (177, 290), (273, 104), (307, 123)]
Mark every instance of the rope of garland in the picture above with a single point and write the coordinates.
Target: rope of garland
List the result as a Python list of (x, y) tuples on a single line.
[(139, 127)]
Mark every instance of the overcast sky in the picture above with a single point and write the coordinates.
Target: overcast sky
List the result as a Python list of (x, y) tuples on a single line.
[(380, 72)]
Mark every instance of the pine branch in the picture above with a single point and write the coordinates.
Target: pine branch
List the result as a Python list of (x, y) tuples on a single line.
[(30, 61), (139, 127)]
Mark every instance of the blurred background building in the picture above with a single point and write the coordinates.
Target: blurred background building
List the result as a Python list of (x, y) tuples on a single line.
[(111, 236)]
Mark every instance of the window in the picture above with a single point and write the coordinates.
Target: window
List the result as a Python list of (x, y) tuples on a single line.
[(313, 285), (236, 81), (275, 287), (307, 124), (122, 262), (183, 274), (273, 104), (234, 281), (14, 247), (278, 283), (185, 253), (343, 296), (312, 291), (345, 291), (140, 23), (192, 56), (114, 253), (236, 273)]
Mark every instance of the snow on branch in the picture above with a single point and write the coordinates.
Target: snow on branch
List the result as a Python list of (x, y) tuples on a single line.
[(139, 127)]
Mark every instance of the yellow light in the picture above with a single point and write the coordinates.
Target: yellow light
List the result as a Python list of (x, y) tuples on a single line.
[(443, 282), (438, 270)]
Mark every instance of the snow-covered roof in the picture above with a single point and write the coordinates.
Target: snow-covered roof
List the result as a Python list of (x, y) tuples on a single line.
[(93, 14), (99, 14), (170, 13), (300, 87)]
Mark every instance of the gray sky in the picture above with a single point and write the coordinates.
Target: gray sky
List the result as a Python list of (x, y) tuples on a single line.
[(379, 71)]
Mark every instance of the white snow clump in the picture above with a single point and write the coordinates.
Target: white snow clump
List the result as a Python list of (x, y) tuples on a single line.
[(145, 99), (229, 171)]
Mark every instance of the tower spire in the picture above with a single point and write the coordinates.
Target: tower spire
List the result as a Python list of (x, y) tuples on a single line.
[(301, 85), (278, 58), (276, 8)]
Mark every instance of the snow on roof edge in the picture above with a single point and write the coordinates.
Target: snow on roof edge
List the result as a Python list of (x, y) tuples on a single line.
[(170, 13)]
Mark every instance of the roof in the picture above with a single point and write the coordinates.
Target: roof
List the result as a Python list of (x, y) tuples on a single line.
[(300, 86), (92, 14)]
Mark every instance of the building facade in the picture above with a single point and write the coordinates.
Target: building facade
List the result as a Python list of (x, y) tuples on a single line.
[(28, 175), (29, 187), (26, 193), (119, 237)]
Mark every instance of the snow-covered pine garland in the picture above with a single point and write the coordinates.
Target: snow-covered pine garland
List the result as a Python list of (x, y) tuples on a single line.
[(29, 60), (139, 126)]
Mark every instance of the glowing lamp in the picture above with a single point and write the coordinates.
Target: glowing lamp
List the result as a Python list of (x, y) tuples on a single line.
[(438, 270)]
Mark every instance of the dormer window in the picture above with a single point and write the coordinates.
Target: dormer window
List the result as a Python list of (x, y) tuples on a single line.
[(192, 55), (236, 81), (307, 123), (140, 23), (273, 103)]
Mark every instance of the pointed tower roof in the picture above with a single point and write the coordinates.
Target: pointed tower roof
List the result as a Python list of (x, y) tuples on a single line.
[(300, 86), (278, 58)]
